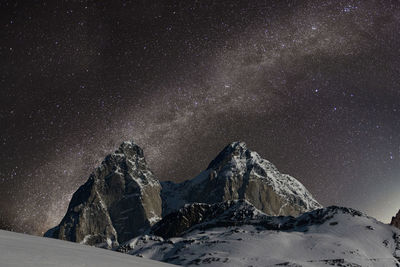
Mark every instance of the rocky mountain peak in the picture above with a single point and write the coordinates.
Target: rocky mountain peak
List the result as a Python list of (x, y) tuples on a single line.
[(235, 150), (238, 173), (130, 149), (129, 161), (237, 156), (120, 200)]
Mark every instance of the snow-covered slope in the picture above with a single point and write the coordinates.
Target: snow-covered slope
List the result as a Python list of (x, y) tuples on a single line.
[(243, 236), (20, 250)]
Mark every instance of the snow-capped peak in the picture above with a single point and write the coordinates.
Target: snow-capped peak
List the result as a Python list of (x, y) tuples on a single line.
[(237, 156), (239, 173), (237, 150)]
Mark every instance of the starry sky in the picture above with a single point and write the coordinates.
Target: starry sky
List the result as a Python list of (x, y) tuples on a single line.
[(312, 86)]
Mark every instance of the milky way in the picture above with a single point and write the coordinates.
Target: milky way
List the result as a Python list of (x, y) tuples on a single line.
[(313, 86)]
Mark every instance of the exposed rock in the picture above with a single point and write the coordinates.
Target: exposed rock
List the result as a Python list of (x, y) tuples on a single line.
[(201, 216), (120, 200), (396, 220), (238, 173), (235, 212)]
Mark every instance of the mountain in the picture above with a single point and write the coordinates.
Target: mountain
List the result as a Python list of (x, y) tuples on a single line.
[(235, 233), (396, 220), (240, 211), (21, 250), (123, 199), (238, 173), (120, 200)]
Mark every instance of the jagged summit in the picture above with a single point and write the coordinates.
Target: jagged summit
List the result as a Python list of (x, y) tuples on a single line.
[(131, 155), (235, 149), (129, 149), (239, 173), (123, 199), (238, 154)]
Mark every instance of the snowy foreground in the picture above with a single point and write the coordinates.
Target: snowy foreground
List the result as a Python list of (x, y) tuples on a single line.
[(20, 250), (332, 236), (327, 237)]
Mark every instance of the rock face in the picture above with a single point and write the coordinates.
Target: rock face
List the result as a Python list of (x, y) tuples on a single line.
[(201, 216), (228, 213), (396, 220), (120, 200), (238, 173)]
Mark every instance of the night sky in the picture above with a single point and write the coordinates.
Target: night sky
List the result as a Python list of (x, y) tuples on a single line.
[(312, 86)]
